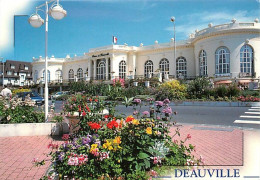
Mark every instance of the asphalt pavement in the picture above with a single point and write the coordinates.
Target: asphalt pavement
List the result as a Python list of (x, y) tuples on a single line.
[(202, 115)]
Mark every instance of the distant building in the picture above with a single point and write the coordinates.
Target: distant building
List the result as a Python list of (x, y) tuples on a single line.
[(16, 73), (227, 53)]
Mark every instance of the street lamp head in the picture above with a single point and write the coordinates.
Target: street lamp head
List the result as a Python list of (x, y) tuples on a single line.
[(172, 19), (35, 20), (57, 12)]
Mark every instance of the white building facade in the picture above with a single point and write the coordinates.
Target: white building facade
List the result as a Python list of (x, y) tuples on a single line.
[(224, 52)]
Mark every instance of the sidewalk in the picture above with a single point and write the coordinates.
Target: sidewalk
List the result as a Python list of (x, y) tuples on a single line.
[(218, 146)]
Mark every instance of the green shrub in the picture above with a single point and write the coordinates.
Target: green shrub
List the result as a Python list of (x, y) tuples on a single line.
[(221, 91), (233, 90), (246, 93), (171, 90), (198, 88)]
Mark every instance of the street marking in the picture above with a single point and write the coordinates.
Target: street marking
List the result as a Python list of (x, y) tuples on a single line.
[(253, 109), (247, 122), (252, 112), (250, 117)]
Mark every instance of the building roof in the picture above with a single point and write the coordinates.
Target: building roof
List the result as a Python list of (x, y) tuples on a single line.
[(16, 67)]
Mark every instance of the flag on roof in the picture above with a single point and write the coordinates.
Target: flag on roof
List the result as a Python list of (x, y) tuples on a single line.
[(114, 40)]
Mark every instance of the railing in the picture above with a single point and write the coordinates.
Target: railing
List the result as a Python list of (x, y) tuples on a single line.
[(224, 27)]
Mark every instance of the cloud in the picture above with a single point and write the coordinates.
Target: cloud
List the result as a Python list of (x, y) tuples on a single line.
[(204, 18)]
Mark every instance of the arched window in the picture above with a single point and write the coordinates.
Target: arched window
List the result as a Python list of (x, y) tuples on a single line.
[(203, 63), (246, 60), (71, 75), (222, 61), (48, 76), (58, 75), (181, 67), (80, 74), (148, 68), (35, 76), (164, 66), (122, 69), (101, 70)]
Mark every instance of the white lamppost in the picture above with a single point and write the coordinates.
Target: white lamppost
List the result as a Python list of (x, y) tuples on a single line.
[(173, 20), (57, 12), (3, 70)]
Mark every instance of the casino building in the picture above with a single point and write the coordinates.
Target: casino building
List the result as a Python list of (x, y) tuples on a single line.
[(227, 52)]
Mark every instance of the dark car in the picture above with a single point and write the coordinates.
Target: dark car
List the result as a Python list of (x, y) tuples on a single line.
[(33, 95)]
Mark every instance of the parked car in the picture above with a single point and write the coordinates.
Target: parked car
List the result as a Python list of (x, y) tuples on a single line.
[(58, 94), (33, 95)]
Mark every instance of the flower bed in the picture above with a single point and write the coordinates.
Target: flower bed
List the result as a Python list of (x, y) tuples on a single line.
[(110, 147), (15, 110)]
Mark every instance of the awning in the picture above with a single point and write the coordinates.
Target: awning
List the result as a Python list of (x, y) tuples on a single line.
[(224, 82), (244, 81)]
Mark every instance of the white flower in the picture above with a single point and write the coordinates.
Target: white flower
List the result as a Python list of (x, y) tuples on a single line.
[(8, 117)]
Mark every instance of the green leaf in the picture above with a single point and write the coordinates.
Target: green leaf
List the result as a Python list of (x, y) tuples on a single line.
[(143, 155), (130, 159), (147, 164)]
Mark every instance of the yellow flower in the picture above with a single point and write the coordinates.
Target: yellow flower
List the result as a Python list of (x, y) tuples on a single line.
[(107, 144), (110, 148), (135, 122), (117, 140), (149, 130), (94, 147)]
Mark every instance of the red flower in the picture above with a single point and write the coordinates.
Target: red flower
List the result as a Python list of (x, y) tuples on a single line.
[(90, 100), (129, 119), (94, 125), (96, 100), (84, 113), (87, 108), (112, 124), (79, 108), (107, 116)]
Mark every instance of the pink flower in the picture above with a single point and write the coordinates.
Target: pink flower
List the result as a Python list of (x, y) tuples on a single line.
[(73, 161), (146, 113), (156, 159), (188, 136), (65, 137), (153, 173)]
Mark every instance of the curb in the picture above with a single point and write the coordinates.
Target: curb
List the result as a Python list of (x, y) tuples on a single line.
[(216, 104)]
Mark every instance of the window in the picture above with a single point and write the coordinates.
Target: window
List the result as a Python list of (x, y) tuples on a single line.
[(48, 76), (101, 70), (58, 75), (25, 67), (22, 77), (15, 73), (71, 75), (28, 74), (246, 60), (122, 69), (12, 66), (80, 74), (9, 73), (203, 63), (35, 75), (164, 66), (181, 67), (148, 68), (222, 61)]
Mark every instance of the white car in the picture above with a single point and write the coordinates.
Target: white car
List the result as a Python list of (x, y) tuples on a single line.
[(57, 94)]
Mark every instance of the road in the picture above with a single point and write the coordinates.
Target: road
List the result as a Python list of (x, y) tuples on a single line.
[(222, 116)]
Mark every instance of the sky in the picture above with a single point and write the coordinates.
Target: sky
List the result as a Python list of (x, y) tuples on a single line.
[(92, 23)]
